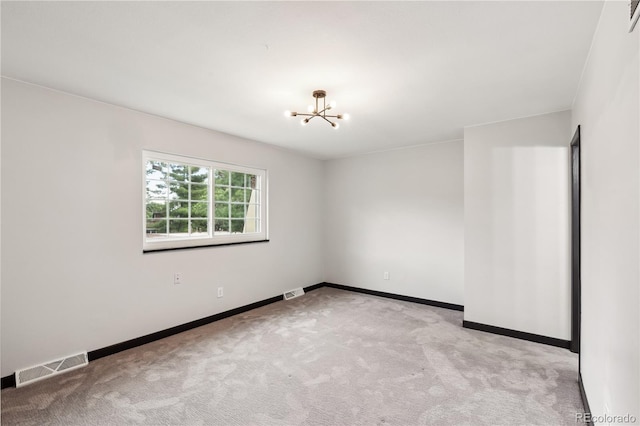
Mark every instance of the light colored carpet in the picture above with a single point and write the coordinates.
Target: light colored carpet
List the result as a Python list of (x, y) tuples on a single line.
[(330, 357)]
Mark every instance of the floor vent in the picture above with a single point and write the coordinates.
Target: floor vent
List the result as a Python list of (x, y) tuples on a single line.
[(293, 293), (42, 371)]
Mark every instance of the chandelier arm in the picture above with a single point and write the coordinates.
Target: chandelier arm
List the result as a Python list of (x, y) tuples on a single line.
[(316, 115), (325, 119), (311, 115)]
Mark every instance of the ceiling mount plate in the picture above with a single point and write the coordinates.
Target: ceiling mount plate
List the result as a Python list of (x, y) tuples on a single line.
[(319, 94)]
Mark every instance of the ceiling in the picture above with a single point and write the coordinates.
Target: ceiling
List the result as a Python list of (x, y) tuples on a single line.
[(408, 73)]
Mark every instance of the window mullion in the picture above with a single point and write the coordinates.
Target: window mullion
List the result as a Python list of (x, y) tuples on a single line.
[(167, 198), (189, 199), (211, 220)]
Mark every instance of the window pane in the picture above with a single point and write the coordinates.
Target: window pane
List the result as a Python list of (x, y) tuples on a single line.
[(222, 210), (253, 196), (179, 209), (251, 225), (238, 211), (222, 194), (252, 181), (237, 195), (156, 209), (200, 210), (199, 174), (253, 211), (237, 179), (156, 228), (199, 192), (222, 177), (179, 172), (179, 227), (199, 227), (222, 225), (156, 189), (156, 170), (179, 190), (237, 225)]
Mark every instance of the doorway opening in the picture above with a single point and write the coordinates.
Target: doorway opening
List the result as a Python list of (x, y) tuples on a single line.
[(575, 243)]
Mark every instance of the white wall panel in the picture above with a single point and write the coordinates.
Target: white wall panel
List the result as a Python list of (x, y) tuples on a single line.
[(399, 212), (74, 275), (607, 110), (517, 225)]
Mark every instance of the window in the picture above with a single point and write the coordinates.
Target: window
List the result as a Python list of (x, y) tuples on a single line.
[(191, 202)]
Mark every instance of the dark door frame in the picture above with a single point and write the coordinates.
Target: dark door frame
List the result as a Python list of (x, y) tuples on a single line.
[(575, 244)]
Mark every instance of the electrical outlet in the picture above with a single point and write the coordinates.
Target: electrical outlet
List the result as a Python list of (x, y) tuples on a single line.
[(220, 291), (386, 276), (177, 278)]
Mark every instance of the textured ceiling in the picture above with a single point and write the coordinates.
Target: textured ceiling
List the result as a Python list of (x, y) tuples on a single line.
[(408, 73)]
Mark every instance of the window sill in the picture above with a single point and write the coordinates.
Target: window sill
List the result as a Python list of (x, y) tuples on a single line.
[(147, 251)]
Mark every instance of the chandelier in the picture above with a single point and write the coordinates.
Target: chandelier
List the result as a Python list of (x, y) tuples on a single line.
[(319, 111)]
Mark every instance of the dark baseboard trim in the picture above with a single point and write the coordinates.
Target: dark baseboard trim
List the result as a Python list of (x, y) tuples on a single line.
[(139, 341), (398, 297), (313, 287), (10, 381), (585, 402), (552, 341)]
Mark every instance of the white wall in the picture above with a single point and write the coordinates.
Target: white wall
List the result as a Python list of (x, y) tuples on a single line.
[(397, 211), (516, 224), (73, 273), (606, 107)]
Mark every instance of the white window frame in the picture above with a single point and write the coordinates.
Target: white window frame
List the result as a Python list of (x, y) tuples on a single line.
[(212, 239)]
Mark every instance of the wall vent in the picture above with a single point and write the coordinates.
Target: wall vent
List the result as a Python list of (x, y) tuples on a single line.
[(48, 369), (293, 293)]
